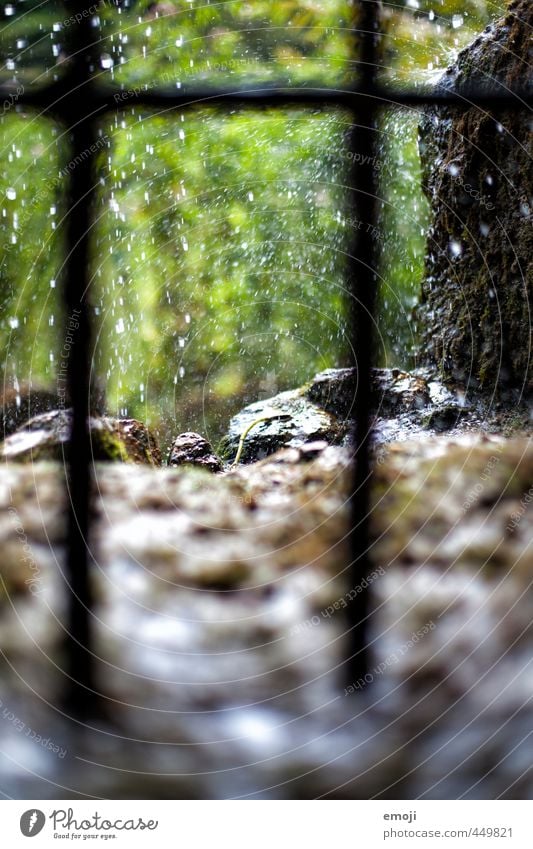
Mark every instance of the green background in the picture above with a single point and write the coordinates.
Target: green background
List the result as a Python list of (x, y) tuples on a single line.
[(219, 238)]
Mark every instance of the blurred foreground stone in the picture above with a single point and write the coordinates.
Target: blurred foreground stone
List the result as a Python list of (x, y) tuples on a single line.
[(219, 629)]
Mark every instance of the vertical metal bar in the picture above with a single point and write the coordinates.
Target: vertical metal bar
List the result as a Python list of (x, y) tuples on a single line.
[(362, 287), (78, 643)]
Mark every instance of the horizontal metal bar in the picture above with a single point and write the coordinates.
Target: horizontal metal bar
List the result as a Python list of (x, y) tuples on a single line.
[(56, 98)]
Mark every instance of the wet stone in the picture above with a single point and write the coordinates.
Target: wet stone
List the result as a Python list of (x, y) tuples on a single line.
[(21, 403), (288, 420), (192, 449), (393, 391), (404, 404), (216, 622), (45, 438), (476, 174), (444, 418)]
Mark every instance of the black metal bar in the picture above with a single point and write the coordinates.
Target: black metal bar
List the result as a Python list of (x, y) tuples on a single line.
[(355, 98), (80, 692), (54, 98), (362, 285)]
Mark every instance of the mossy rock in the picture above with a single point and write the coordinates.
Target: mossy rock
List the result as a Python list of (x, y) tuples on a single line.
[(478, 285), (113, 440), (444, 418), (139, 442), (393, 391), (288, 420), (324, 409)]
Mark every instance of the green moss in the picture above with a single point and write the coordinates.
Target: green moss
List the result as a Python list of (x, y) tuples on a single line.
[(225, 449), (108, 446)]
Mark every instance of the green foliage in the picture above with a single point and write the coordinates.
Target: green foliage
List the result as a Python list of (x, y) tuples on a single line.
[(223, 233), (30, 40), (30, 245), (231, 42)]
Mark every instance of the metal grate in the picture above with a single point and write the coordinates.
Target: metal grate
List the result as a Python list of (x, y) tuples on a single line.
[(78, 103)]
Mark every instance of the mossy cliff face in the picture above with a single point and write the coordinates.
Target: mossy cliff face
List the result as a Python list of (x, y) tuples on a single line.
[(477, 293)]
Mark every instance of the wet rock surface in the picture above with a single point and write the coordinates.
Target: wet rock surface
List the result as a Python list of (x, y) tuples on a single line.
[(192, 449), (404, 405), (394, 391), (289, 420), (44, 438), (140, 443), (477, 176), (219, 628)]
